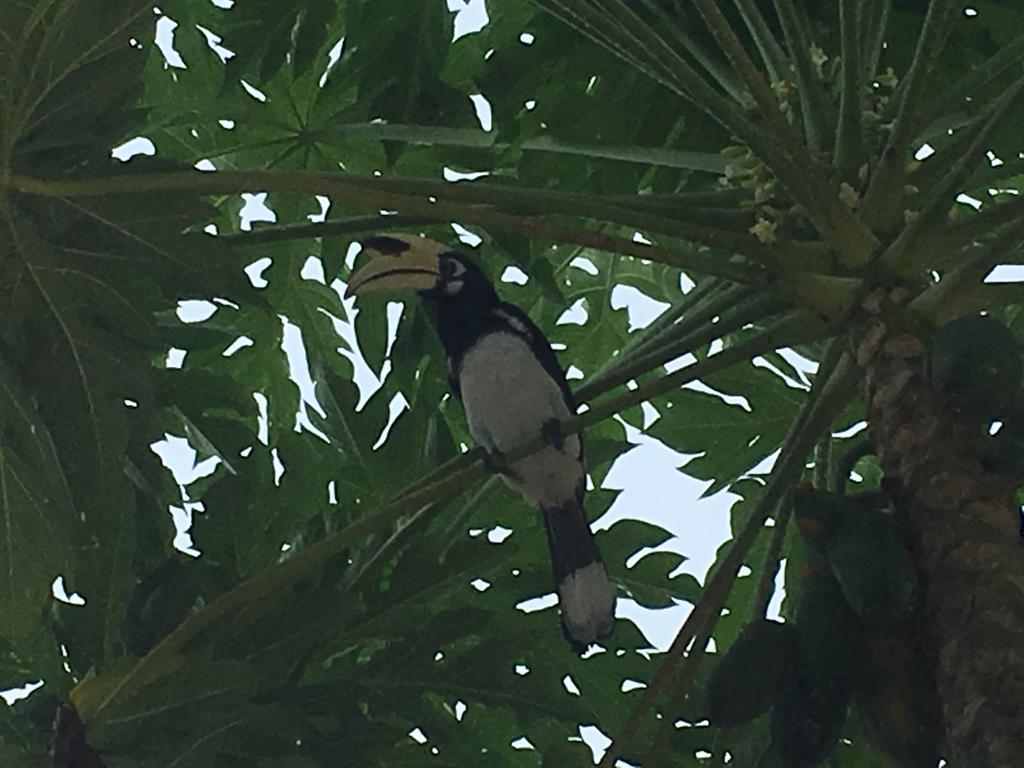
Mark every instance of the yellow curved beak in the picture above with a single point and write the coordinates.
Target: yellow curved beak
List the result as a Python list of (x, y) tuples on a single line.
[(396, 263)]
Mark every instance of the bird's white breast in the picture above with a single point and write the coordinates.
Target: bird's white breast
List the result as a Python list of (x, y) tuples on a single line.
[(508, 397)]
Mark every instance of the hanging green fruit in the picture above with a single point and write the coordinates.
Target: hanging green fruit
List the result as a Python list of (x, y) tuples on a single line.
[(899, 708), (873, 566), (751, 674), (976, 364)]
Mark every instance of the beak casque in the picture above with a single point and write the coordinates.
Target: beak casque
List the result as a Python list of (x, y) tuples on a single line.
[(397, 263)]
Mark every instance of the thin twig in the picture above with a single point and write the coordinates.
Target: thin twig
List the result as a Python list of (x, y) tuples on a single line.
[(849, 154)]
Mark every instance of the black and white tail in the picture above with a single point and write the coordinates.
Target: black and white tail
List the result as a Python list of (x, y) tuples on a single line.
[(586, 595)]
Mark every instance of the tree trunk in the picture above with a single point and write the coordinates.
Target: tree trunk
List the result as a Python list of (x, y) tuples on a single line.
[(967, 548)]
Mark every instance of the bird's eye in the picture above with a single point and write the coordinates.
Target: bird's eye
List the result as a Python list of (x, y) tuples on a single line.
[(451, 272)]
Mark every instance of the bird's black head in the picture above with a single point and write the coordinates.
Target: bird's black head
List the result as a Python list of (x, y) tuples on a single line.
[(459, 279)]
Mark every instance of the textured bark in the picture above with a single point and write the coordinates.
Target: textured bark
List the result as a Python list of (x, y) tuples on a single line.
[(967, 548)]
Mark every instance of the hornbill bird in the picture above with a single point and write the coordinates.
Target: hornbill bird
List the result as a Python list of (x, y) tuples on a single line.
[(503, 370)]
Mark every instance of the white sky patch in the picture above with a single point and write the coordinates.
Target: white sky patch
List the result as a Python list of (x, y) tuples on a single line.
[(470, 17), (658, 625), (164, 39), (465, 236), (968, 200), (205, 165), (214, 40), (313, 270), (775, 604), (237, 345), (178, 455), (140, 145), (333, 57), (642, 309), (526, 38), (484, 113), (575, 315), (279, 467), (648, 476), (514, 274), (802, 383), (924, 152), (255, 208), (255, 272), (195, 310), (182, 518), (521, 743), (325, 207), (582, 262), (596, 739), (570, 685), (451, 174), (396, 407), (498, 534), (298, 364), (860, 426), (541, 603), (1006, 273), (17, 694), (262, 418), (59, 592), (175, 358), (253, 91)]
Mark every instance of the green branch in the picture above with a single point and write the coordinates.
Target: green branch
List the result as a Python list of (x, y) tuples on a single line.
[(953, 98), (849, 154), (691, 312), (428, 135), (939, 196), (813, 103), (371, 193), (686, 337), (975, 226), (875, 22), (763, 96), (772, 55), (882, 202), (802, 181), (714, 64), (608, 34)]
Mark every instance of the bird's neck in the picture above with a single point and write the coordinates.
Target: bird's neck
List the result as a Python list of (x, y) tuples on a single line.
[(461, 321)]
